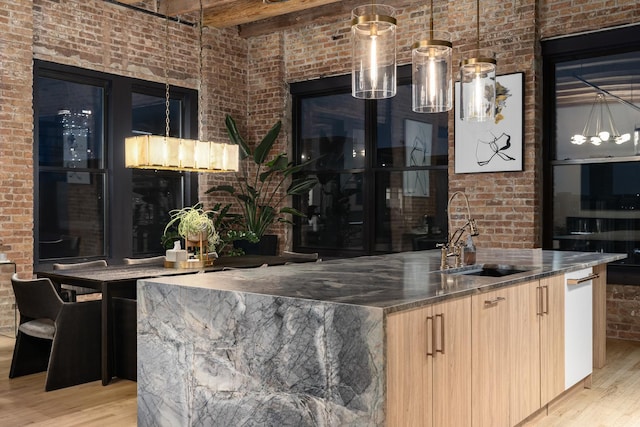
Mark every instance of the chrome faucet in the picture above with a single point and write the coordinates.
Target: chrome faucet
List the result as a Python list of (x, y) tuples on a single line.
[(454, 246)]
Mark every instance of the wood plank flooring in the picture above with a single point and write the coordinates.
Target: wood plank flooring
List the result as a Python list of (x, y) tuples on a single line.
[(613, 400), (23, 400)]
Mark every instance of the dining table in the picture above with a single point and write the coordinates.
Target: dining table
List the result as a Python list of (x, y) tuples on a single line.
[(117, 284)]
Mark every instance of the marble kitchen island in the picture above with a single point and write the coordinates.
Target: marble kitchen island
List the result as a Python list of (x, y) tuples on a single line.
[(296, 345)]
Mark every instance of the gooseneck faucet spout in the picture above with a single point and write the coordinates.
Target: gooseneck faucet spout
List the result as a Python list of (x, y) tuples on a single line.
[(453, 247)]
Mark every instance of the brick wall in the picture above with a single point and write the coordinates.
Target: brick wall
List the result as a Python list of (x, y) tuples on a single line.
[(623, 312), (506, 205)]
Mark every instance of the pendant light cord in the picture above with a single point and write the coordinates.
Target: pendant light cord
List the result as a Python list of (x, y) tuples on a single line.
[(431, 22), (478, 26), (166, 76), (200, 76)]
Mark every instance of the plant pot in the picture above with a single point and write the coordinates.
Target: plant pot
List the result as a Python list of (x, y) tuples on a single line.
[(267, 245)]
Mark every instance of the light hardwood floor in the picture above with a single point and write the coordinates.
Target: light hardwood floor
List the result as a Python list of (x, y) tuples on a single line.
[(23, 400), (613, 400)]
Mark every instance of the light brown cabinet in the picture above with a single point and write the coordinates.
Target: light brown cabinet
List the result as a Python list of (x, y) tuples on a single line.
[(429, 365), (491, 359), (520, 327), (525, 318), (550, 295)]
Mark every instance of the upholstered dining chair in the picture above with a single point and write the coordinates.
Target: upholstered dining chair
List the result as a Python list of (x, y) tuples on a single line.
[(62, 338), (74, 291), (150, 260)]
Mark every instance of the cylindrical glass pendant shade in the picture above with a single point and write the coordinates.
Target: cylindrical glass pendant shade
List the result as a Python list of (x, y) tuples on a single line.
[(373, 41), (478, 88), (432, 76)]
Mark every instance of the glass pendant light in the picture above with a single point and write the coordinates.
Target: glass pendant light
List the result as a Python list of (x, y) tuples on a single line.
[(432, 78), (373, 42), (478, 82)]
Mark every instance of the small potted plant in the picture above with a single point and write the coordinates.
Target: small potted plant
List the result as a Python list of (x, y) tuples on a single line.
[(217, 227), (195, 225)]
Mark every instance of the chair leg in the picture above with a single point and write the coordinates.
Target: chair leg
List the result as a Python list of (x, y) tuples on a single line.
[(75, 354), (30, 355)]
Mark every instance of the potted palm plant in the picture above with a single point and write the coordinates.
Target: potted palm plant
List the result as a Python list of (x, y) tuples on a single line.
[(260, 183)]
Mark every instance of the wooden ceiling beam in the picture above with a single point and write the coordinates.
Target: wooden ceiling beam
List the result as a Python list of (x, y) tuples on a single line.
[(182, 7), (237, 12), (317, 15)]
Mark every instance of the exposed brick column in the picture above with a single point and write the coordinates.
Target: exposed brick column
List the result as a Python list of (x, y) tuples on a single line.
[(16, 149)]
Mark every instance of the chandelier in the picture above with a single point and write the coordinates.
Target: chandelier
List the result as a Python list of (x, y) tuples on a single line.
[(600, 126), (180, 154)]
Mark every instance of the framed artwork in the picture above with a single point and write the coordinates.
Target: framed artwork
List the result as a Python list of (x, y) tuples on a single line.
[(418, 137), (494, 146)]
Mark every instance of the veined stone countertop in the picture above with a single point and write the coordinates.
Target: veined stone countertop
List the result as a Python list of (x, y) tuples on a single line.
[(392, 282), (295, 345)]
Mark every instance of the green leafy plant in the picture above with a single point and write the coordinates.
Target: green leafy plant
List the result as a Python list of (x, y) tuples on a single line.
[(217, 223), (226, 224), (261, 179), (193, 223)]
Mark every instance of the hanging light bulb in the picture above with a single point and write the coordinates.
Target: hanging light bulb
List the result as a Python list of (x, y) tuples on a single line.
[(373, 35), (432, 78), (478, 82)]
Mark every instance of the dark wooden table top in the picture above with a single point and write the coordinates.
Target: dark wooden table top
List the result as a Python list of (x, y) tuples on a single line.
[(94, 277)]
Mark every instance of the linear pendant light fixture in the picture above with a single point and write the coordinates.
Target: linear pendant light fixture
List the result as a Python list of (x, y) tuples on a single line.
[(373, 42), (180, 154), (478, 82), (600, 127), (432, 76)]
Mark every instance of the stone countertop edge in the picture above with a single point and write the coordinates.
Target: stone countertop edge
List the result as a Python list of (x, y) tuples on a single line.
[(392, 282)]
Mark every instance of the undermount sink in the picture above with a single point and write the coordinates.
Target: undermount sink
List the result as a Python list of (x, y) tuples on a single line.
[(489, 270)]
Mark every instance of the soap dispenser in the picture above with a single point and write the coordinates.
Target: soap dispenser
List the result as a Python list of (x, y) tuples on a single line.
[(469, 252)]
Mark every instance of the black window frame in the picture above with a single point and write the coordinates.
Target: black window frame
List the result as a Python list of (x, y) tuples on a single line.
[(341, 85), (577, 47), (117, 126)]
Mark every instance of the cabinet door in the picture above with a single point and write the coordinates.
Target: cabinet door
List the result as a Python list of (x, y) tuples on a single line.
[(490, 349), (551, 301), (524, 334), (409, 339), (452, 364)]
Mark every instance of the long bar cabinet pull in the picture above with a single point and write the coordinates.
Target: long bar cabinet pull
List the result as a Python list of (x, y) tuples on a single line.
[(430, 338), (545, 290), (582, 279), (494, 301), (441, 350), (539, 305)]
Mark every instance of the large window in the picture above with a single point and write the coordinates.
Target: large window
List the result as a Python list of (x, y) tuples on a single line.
[(88, 204), (593, 185), (382, 170)]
